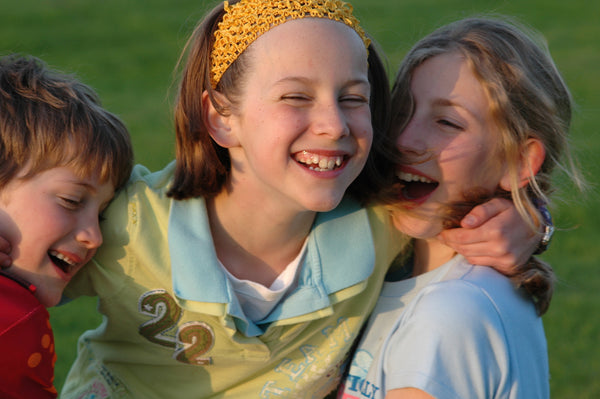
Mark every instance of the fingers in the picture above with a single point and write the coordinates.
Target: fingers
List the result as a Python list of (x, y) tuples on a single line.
[(499, 237), (502, 252), (486, 211), (506, 260), (482, 242)]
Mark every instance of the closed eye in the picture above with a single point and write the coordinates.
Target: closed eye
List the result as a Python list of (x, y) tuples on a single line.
[(295, 98), (450, 124), (355, 100), (70, 203)]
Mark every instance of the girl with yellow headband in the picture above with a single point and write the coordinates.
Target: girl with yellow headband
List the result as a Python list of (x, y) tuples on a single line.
[(242, 269)]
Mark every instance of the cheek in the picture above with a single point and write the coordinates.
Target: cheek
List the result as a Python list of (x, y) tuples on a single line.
[(488, 169), (362, 128), (8, 226), (397, 219), (54, 224), (470, 166), (366, 141)]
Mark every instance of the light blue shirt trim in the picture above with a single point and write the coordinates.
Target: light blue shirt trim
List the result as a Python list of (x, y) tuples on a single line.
[(340, 254)]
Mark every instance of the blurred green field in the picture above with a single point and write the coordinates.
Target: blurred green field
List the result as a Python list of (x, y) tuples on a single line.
[(126, 50)]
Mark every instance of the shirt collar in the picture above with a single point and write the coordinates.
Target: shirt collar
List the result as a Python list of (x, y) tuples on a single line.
[(340, 254)]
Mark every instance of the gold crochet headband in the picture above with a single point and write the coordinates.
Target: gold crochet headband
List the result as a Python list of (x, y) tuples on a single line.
[(245, 21)]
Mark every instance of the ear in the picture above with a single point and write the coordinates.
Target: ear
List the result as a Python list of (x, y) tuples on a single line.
[(218, 125), (532, 158)]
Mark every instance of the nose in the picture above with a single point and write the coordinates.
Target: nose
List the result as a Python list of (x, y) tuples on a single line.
[(88, 232), (330, 120), (409, 139)]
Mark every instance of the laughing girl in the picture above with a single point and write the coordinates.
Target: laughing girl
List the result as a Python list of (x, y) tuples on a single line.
[(481, 111)]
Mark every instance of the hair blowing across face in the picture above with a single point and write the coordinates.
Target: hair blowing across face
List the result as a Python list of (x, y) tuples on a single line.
[(528, 99)]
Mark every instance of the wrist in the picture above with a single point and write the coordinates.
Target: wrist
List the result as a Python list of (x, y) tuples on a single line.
[(547, 227)]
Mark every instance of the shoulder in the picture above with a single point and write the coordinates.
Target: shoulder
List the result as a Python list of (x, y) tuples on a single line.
[(348, 218), (475, 320), (18, 304), (144, 183), (135, 221), (451, 320), (145, 192), (453, 304), (158, 180), (17, 291), (468, 296), (474, 297)]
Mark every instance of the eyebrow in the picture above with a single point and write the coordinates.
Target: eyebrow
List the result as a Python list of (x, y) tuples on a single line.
[(444, 102), (304, 80), (78, 182)]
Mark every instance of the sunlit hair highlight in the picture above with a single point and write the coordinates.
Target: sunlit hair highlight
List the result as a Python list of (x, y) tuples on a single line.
[(49, 119), (528, 99)]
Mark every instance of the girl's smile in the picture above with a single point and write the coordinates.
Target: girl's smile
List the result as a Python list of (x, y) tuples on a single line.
[(319, 162), (416, 187), (300, 132), (449, 143)]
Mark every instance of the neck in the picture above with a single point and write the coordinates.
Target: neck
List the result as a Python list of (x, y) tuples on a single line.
[(430, 254), (252, 241)]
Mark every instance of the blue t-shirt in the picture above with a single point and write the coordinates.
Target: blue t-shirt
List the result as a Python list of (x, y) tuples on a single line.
[(459, 331)]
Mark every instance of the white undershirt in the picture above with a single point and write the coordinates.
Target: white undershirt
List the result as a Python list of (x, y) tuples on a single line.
[(258, 301)]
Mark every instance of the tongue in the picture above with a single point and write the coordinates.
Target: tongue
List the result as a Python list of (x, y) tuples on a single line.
[(415, 190)]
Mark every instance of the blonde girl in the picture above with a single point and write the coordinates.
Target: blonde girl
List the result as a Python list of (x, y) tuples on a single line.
[(480, 110)]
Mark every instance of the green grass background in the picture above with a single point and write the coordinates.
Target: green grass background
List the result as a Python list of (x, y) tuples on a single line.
[(126, 50)]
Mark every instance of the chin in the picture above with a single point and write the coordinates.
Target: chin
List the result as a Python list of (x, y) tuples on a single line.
[(421, 234), (49, 300), (325, 204), (416, 227)]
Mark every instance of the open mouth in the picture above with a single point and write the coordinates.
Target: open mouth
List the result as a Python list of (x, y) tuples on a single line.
[(319, 163), (416, 188), (65, 264)]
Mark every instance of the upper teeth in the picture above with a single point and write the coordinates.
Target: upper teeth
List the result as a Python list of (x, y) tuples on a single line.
[(405, 176), (319, 162), (62, 257)]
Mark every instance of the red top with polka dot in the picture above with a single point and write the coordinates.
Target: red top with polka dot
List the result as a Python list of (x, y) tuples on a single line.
[(26, 343)]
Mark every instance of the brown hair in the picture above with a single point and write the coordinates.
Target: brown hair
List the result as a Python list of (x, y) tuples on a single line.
[(50, 119), (202, 166)]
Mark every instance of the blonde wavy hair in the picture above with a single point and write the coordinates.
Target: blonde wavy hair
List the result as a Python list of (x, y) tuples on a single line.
[(528, 99)]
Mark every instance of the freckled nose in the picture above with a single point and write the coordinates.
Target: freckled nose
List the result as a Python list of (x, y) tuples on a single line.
[(330, 120)]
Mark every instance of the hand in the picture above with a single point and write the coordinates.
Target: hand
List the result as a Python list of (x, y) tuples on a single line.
[(493, 234), (5, 260), (407, 393)]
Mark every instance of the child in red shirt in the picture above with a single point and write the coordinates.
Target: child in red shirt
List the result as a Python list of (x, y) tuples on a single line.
[(63, 156)]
